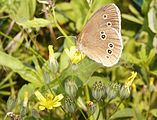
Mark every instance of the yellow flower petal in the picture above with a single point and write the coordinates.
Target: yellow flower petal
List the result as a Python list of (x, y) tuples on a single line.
[(134, 87), (131, 79), (51, 51), (41, 107), (74, 55), (39, 96), (59, 97), (57, 104)]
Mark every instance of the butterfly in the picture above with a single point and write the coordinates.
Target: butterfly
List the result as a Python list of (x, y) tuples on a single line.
[(101, 38)]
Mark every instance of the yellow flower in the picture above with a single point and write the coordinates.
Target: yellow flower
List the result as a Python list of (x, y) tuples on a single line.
[(125, 90), (48, 102), (131, 79), (75, 55)]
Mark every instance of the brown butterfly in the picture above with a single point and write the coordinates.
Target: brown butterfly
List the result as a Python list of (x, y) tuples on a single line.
[(101, 39)]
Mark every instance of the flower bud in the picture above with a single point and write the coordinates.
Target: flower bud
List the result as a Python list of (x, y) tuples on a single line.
[(98, 90), (69, 104), (71, 88), (81, 104), (124, 92), (53, 64), (46, 77), (91, 108), (112, 90), (151, 85), (11, 103)]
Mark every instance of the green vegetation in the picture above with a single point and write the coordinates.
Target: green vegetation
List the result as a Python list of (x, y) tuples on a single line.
[(43, 82)]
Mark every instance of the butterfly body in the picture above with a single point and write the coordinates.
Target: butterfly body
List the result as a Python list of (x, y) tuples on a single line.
[(101, 39)]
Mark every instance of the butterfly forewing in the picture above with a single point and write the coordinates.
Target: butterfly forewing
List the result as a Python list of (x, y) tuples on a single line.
[(107, 14)]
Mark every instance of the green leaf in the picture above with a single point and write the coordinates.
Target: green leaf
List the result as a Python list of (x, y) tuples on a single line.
[(144, 74), (133, 10), (152, 16), (99, 3), (139, 116), (154, 72), (65, 61), (124, 113), (130, 58), (150, 56), (155, 42), (5, 93), (25, 10), (37, 66), (142, 54), (130, 47), (80, 8), (82, 70), (34, 23), (14, 44), (7, 85), (16, 65), (64, 12), (11, 103), (154, 112), (29, 88), (138, 2), (132, 19), (145, 6)]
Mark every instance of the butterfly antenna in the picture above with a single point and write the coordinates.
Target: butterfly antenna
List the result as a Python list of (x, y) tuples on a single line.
[(68, 36)]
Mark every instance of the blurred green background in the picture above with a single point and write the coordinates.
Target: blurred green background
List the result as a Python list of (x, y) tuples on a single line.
[(27, 27)]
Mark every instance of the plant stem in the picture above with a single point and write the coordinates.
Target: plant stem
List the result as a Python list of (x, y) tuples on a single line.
[(149, 103), (87, 98), (98, 114), (81, 111), (5, 35), (101, 107), (50, 89), (87, 93), (52, 34), (83, 114), (115, 109), (60, 29), (105, 110)]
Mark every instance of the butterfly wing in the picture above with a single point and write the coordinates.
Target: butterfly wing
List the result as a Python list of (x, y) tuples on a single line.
[(108, 13), (100, 39)]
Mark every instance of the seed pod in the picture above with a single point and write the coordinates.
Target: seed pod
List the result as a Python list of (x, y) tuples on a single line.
[(71, 88), (124, 92), (98, 90), (69, 104)]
